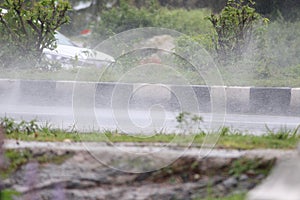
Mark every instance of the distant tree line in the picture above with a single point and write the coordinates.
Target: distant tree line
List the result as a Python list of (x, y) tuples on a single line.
[(270, 8), (288, 9)]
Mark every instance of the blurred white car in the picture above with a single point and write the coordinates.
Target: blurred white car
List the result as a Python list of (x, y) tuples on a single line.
[(67, 53)]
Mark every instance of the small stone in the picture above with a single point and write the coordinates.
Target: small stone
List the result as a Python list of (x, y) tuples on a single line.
[(67, 140), (260, 177), (247, 185), (196, 176), (218, 179), (7, 183), (230, 182), (243, 177), (221, 188)]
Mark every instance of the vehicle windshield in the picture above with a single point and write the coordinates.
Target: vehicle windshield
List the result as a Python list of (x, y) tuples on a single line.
[(63, 40)]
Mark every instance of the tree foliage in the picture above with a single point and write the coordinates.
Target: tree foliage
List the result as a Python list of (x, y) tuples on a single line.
[(234, 28), (122, 18), (28, 27)]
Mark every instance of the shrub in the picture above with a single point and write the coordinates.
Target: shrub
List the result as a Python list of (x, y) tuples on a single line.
[(190, 22), (234, 27), (283, 43), (122, 18), (10, 126), (126, 17)]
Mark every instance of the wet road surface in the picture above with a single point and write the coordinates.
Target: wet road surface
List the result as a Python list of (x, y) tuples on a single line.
[(143, 121)]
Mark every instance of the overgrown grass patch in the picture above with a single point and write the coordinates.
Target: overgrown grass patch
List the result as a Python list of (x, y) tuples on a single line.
[(8, 194), (17, 158), (240, 196), (284, 138), (254, 142), (229, 141)]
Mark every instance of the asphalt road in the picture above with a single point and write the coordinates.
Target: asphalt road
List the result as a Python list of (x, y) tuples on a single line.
[(142, 121)]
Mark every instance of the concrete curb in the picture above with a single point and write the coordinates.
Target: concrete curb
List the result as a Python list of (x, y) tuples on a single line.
[(174, 149), (282, 184), (254, 100)]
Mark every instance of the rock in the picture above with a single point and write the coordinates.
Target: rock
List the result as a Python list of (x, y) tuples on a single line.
[(221, 188), (260, 177), (246, 185), (67, 140), (7, 183), (230, 182), (197, 176), (218, 179), (243, 177), (84, 177)]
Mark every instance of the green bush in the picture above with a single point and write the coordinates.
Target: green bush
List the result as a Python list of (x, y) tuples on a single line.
[(122, 18), (280, 52), (234, 27), (283, 43), (190, 22), (10, 126), (126, 17)]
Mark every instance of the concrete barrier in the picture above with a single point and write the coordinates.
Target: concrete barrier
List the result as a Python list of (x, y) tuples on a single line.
[(103, 94), (9, 90), (254, 100), (295, 101), (218, 99), (203, 97), (36, 92), (237, 99), (270, 100), (188, 98), (147, 95), (112, 94), (64, 93), (84, 104)]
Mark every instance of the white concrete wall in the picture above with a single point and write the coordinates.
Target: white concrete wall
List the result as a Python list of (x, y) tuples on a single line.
[(233, 99)]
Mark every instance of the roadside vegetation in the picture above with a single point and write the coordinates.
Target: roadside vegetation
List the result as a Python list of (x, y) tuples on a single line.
[(257, 42), (27, 28), (284, 138), (183, 170), (264, 51), (230, 197)]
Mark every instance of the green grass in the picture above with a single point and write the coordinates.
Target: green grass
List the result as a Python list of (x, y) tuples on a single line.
[(18, 158), (284, 138), (8, 194), (254, 142), (231, 76), (35, 74), (241, 196), (226, 141), (93, 75)]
